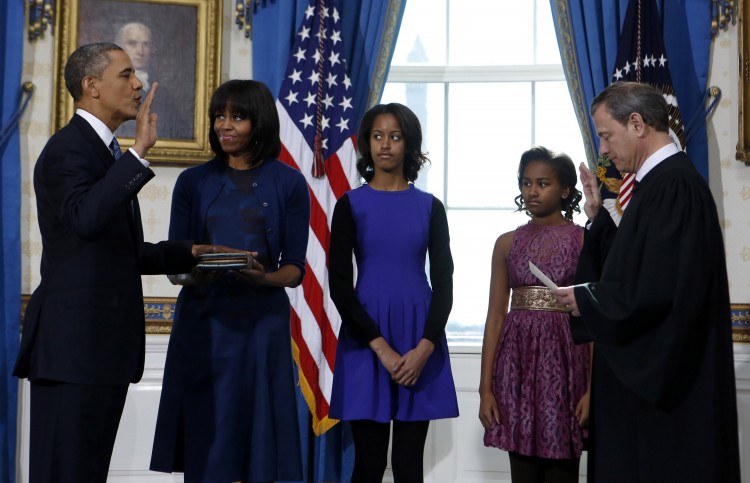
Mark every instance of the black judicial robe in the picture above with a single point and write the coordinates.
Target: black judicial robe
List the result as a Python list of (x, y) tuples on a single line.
[(663, 386)]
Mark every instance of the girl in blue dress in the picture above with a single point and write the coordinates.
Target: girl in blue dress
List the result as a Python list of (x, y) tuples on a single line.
[(228, 404), (392, 361)]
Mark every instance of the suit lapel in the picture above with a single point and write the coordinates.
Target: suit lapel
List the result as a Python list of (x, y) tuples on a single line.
[(102, 151)]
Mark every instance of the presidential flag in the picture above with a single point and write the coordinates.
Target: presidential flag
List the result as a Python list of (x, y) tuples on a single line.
[(318, 137), (641, 57)]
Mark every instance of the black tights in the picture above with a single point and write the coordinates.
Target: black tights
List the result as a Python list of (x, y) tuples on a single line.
[(371, 450), (532, 469)]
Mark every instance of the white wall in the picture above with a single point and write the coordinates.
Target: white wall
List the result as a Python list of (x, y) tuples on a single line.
[(455, 452)]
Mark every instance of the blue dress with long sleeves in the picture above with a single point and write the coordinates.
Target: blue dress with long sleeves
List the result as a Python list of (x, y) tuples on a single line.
[(228, 405)]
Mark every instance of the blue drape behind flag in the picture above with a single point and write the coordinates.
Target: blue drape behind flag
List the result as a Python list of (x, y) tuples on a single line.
[(687, 34), (11, 59), (641, 57), (588, 31)]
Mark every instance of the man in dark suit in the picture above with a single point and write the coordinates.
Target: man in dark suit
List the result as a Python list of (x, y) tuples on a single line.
[(83, 338)]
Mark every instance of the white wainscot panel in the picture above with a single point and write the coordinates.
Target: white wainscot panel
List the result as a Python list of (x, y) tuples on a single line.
[(132, 452), (454, 451)]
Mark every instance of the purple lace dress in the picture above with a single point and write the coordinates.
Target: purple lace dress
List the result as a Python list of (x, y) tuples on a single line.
[(539, 375)]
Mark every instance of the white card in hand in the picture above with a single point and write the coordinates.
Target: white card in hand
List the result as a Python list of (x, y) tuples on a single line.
[(541, 276)]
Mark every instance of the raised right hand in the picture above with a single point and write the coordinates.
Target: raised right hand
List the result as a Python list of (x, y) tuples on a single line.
[(591, 191), (145, 124)]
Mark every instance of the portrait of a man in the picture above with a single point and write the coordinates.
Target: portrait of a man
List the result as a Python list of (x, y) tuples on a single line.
[(161, 43)]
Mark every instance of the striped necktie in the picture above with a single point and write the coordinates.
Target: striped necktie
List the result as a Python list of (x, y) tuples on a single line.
[(114, 146)]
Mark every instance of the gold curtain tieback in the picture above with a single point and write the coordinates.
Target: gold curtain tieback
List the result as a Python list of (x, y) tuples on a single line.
[(535, 298)]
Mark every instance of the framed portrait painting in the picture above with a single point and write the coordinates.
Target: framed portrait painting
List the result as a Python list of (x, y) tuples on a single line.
[(176, 43)]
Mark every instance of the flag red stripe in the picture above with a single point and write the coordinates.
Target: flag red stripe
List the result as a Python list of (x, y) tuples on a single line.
[(314, 296), (336, 175), (318, 217), (309, 368)]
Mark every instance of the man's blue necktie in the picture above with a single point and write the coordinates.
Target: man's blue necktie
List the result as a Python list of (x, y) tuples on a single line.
[(114, 146)]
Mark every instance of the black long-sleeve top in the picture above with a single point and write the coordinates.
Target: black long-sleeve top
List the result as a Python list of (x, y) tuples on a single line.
[(355, 318)]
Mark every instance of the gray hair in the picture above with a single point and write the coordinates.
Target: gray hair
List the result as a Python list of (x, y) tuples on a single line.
[(129, 26), (87, 60), (621, 99)]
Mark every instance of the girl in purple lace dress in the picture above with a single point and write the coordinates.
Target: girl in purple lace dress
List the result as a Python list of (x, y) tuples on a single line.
[(534, 383)]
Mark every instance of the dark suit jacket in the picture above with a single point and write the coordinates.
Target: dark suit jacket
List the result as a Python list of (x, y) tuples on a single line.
[(85, 323)]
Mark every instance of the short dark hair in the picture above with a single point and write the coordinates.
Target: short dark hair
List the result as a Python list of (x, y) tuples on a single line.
[(87, 60), (621, 99), (251, 100), (565, 171), (411, 129)]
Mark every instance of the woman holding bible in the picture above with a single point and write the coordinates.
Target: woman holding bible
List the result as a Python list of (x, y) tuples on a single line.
[(228, 404)]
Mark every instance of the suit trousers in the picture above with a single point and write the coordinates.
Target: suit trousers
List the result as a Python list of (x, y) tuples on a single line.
[(73, 430)]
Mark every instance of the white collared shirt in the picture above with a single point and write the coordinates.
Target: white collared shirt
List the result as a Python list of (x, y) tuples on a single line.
[(652, 161), (104, 133)]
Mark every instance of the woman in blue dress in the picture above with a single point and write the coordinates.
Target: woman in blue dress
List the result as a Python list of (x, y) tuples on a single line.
[(228, 404), (392, 361)]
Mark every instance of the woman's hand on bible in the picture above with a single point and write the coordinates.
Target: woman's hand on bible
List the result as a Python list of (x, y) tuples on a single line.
[(256, 274)]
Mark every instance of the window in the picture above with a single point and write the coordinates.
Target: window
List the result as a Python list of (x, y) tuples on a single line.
[(486, 81)]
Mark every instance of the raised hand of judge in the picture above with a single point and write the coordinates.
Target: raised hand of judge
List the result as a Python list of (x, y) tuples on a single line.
[(145, 125), (591, 191)]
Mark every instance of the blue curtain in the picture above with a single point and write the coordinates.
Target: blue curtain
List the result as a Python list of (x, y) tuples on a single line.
[(587, 32), (11, 59), (369, 30)]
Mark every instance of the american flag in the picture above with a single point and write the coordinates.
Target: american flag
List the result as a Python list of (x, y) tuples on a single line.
[(319, 138), (642, 57)]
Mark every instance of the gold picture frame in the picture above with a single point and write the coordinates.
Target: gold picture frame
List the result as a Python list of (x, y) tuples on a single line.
[(743, 142), (184, 57)]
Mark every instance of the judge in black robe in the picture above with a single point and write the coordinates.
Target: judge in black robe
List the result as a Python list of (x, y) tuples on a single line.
[(663, 404)]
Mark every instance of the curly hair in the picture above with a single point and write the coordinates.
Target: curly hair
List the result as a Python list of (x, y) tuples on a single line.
[(566, 174), (411, 129)]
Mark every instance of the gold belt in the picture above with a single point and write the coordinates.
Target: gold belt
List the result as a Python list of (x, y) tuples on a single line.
[(535, 298)]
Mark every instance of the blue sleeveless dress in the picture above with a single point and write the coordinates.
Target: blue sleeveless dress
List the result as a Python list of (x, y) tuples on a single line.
[(392, 235)]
